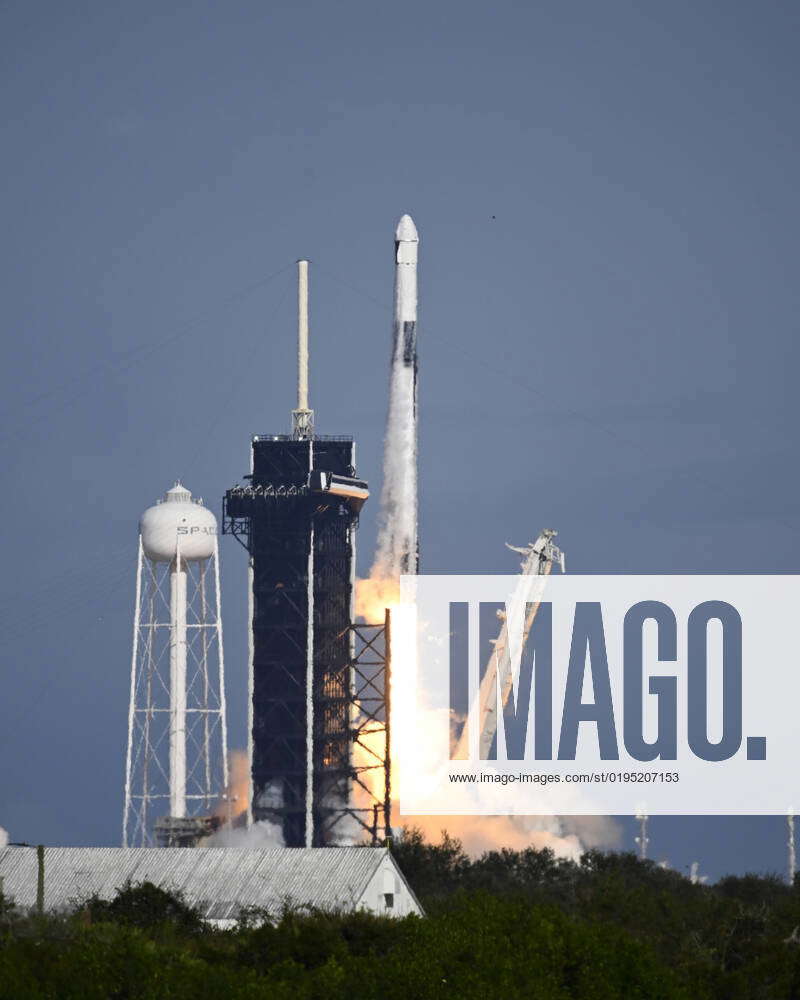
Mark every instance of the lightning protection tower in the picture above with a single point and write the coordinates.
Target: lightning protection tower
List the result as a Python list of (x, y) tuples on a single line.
[(177, 766)]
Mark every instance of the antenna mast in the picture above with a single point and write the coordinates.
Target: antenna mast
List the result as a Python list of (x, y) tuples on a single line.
[(642, 840), (302, 417)]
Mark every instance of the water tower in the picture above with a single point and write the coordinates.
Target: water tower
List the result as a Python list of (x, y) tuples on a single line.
[(177, 766)]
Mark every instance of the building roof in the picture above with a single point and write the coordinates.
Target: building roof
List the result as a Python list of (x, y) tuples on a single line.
[(219, 881)]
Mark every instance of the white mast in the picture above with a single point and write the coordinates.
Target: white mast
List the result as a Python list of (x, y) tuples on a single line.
[(642, 840), (302, 417)]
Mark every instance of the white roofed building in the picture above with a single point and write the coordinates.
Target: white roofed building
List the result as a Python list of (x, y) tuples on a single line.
[(219, 881)]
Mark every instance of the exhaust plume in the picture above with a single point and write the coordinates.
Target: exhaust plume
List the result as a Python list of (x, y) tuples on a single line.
[(259, 835), (396, 554), (233, 812)]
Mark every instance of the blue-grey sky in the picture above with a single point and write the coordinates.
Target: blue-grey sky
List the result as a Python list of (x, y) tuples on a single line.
[(606, 197)]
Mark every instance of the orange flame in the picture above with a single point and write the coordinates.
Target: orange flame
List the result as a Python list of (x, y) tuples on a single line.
[(374, 595), (477, 833), (236, 799)]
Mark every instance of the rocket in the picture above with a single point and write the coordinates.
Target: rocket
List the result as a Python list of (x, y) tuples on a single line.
[(406, 244), (397, 537)]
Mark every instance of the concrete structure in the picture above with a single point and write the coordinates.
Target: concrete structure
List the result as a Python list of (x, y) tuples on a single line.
[(219, 881)]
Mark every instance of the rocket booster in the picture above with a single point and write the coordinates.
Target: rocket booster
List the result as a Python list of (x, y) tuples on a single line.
[(397, 536)]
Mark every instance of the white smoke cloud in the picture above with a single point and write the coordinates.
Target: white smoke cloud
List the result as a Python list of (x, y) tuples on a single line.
[(260, 835), (3, 837), (593, 831)]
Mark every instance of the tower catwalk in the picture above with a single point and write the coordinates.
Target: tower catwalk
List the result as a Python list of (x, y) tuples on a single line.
[(297, 517)]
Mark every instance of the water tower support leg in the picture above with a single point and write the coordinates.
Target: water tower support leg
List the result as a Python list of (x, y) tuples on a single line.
[(177, 689)]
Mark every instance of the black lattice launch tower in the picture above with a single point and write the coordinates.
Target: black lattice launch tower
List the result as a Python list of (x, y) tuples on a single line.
[(297, 515)]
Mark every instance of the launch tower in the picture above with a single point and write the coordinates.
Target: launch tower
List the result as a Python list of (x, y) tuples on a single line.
[(296, 515)]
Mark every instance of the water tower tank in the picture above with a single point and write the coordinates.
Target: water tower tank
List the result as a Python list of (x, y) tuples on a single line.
[(178, 519)]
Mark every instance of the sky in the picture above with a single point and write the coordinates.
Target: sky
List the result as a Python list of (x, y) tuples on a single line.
[(608, 213)]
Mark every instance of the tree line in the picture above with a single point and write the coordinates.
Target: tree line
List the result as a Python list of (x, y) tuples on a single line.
[(508, 924)]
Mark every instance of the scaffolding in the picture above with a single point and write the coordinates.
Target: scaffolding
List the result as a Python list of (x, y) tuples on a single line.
[(366, 811)]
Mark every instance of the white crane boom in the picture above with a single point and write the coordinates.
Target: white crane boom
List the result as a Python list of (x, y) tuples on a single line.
[(540, 557)]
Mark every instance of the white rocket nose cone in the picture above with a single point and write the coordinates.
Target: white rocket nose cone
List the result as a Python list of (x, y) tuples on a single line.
[(406, 231)]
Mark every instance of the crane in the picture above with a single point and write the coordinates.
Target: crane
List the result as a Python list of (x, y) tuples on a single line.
[(539, 558)]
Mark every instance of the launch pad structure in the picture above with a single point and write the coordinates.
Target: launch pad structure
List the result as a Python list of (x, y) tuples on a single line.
[(305, 665), (297, 515)]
